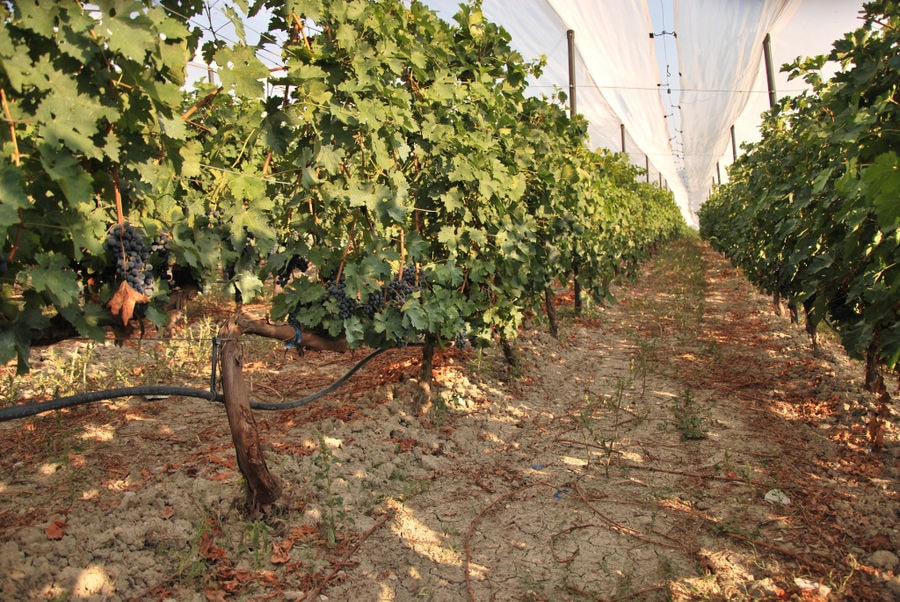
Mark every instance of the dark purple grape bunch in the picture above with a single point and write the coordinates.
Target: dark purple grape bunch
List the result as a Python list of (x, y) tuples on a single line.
[(215, 216), (128, 252), (462, 337), (337, 290), (161, 256), (294, 263), (373, 304), (396, 291)]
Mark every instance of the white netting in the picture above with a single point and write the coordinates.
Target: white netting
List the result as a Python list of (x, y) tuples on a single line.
[(686, 136)]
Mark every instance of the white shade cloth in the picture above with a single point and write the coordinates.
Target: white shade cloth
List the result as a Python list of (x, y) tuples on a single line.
[(618, 73)]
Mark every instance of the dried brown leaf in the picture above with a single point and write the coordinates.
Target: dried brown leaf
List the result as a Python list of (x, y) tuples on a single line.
[(123, 302), (56, 530)]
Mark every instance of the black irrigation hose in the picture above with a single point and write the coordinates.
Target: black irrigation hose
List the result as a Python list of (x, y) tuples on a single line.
[(287, 405), (30, 409)]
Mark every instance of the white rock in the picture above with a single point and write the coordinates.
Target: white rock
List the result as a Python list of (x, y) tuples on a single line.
[(777, 496)]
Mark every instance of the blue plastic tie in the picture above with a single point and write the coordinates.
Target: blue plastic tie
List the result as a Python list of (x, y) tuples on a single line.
[(298, 338)]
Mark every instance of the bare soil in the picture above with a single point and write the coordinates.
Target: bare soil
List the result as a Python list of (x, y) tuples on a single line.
[(682, 443)]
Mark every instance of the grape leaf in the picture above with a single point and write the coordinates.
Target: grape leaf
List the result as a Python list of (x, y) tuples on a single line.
[(241, 71), (881, 186), (12, 191)]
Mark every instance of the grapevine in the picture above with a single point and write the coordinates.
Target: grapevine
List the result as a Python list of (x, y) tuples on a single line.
[(448, 201), (810, 212), (819, 225)]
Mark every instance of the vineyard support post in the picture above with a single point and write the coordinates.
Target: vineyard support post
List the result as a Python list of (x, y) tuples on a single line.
[(770, 70), (733, 145), (262, 488), (570, 37), (576, 284)]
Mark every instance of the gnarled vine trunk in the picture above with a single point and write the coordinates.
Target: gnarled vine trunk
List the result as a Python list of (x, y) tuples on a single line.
[(262, 487), (551, 312)]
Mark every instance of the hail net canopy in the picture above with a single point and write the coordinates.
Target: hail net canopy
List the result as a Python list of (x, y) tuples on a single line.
[(670, 99)]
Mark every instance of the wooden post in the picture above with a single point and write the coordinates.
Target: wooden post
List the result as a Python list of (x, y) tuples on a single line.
[(622, 134), (647, 166), (262, 488)]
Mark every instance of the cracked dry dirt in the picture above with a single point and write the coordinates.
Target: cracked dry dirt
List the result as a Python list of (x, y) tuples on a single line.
[(630, 459)]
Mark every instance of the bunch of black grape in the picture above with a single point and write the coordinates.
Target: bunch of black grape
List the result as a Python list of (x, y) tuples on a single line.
[(126, 249), (462, 337), (161, 256), (215, 216), (373, 304), (396, 291), (295, 263), (337, 291)]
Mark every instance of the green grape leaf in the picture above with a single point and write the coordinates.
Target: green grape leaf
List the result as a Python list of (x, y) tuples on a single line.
[(51, 275), (247, 186), (173, 127), (329, 158), (67, 172), (415, 315), (131, 35), (39, 17), (881, 187), (12, 193), (249, 284), (240, 70), (191, 159)]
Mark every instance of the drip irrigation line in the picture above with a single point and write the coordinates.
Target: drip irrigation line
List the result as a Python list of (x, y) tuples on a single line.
[(31, 409), (287, 405)]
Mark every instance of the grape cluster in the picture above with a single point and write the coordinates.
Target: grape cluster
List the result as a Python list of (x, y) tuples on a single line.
[(462, 337), (295, 263), (215, 216), (161, 256), (337, 291), (393, 293), (374, 303), (126, 249), (396, 291), (576, 262)]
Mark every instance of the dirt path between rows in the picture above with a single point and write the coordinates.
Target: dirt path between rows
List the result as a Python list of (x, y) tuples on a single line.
[(683, 443)]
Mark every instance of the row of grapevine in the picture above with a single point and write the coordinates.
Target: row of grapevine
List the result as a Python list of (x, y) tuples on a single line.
[(393, 177), (812, 211)]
